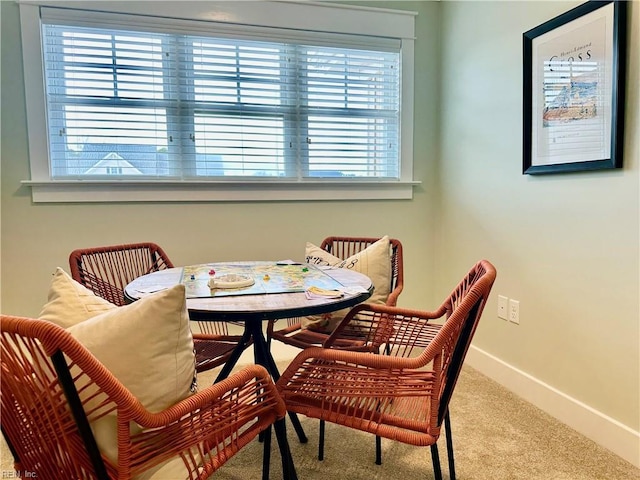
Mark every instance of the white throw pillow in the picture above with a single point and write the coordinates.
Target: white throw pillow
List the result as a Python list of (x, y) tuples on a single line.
[(70, 302), (374, 262), (148, 347)]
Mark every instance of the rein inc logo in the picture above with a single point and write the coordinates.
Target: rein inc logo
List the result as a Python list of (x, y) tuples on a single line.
[(18, 474)]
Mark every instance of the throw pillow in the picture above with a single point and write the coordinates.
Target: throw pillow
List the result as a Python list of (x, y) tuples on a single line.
[(70, 302), (374, 262), (148, 347)]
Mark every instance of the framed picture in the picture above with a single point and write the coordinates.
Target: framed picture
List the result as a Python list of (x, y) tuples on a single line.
[(574, 77)]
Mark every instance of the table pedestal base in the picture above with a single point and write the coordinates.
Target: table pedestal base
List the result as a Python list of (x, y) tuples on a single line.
[(253, 334)]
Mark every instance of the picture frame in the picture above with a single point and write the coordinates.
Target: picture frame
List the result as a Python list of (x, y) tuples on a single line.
[(573, 90)]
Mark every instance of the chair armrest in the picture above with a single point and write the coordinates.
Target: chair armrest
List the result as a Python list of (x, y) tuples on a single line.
[(215, 337), (253, 379), (327, 358), (292, 325), (392, 299), (205, 429)]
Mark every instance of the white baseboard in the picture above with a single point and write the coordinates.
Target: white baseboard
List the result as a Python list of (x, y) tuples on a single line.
[(604, 430)]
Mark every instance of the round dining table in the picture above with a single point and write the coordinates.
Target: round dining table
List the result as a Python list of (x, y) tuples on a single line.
[(283, 296), (282, 292), (206, 304)]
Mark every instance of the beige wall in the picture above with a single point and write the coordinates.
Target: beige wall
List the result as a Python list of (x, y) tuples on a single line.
[(37, 238), (565, 246)]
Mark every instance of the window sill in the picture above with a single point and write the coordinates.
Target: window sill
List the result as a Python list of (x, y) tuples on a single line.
[(87, 191)]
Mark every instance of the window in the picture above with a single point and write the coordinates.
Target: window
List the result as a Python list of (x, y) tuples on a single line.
[(217, 107), (114, 170), (162, 101)]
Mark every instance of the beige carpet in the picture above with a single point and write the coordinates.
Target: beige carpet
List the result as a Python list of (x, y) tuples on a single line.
[(496, 436)]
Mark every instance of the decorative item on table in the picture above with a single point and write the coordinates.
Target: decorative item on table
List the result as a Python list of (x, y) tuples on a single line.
[(317, 292), (231, 280)]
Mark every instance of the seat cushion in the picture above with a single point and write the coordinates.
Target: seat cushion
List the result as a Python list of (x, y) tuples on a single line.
[(374, 262), (70, 302)]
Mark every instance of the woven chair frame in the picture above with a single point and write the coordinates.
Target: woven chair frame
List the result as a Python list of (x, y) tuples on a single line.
[(52, 389), (107, 270), (402, 396), (342, 247)]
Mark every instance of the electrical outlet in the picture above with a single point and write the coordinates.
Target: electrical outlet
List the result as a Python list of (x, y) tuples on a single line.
[(502, 306), (514, 311)]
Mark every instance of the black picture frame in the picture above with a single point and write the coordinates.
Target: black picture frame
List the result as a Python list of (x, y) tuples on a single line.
[(573, 90)]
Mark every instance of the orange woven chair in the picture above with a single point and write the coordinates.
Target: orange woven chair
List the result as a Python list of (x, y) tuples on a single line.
[(54, 392), (106, 271), (341, 247), (402, 396)]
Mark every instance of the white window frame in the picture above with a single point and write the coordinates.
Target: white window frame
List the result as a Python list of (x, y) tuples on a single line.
[(310, 16)]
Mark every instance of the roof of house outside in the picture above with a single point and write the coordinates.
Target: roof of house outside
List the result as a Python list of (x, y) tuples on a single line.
[(95, 158)]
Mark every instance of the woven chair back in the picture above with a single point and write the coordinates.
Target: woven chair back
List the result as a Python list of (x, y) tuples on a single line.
[(107, 270), (345, 247), (43, 419)]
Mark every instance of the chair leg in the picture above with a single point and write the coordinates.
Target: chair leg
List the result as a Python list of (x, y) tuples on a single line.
[(447, 429), (435, 458), (321, 441), (266, 455), (378, 450)]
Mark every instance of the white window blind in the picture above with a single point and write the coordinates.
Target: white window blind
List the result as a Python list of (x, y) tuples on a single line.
[(162, 103)]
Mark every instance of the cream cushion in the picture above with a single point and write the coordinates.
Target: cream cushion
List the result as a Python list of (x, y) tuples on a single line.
[(147, 346), (374, 262), (70, 302)]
